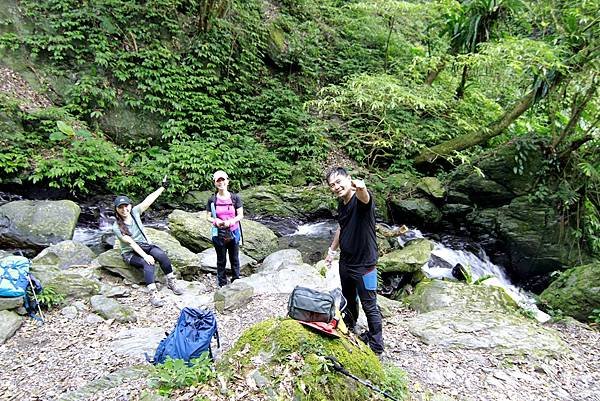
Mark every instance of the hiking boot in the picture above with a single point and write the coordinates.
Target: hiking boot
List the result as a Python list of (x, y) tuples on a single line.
[(172, 285), (364, 337), (155, 299)]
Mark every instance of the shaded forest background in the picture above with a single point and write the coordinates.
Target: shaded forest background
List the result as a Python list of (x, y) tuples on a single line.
[(269, 90)]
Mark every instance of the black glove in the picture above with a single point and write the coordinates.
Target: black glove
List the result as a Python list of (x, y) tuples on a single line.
[(165, 182)]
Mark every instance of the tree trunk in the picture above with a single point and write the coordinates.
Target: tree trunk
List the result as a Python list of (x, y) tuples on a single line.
[(434, 74), (576, 112), (460, 91), (468, 140)]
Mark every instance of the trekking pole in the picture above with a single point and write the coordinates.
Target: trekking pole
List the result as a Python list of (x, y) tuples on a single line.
[(35, 297), (337, 366)]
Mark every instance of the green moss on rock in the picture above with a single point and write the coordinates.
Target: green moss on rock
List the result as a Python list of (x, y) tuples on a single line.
[(576, 292), (292, 357)]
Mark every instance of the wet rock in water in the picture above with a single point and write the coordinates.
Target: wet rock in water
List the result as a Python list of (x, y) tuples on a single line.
[(408, 259), (458, 272)]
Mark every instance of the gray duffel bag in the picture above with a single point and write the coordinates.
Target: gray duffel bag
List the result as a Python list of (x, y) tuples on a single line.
[(309, 305)]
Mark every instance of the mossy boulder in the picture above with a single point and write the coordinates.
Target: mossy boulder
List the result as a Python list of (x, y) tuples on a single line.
[(497, 180), (576, 292), (458, 315), (65, 254), (76, 284), (191, 229), (431, 186), (414, 210), (288, 201), (408, 259), (536, 239), (282, 359), (30, 224), (431, 295)]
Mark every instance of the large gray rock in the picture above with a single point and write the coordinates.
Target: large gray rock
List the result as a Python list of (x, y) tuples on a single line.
[(288, 201), (285, 279), (108, 308), (576, 292), (233, 296), (137, 341), (77, 284), (459, 315), (497, 331), (65, 254), (10, 303), (9, 324), (193, 231), (281, 258), (208, 262), (37, 224), (185, 263)]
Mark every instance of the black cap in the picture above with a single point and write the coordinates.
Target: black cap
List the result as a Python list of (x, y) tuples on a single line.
[(122, 200)]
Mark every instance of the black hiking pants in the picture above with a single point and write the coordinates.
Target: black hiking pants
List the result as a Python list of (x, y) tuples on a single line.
[(359, 285), (158, 254), (223, 248)]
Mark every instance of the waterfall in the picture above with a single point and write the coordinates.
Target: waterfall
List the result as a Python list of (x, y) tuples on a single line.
[(443, 259)]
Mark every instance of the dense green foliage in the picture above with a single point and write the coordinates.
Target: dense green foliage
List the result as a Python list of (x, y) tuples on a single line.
[(176, 373), (265, 89)]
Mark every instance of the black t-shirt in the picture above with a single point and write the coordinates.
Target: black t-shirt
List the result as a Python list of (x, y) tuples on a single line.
[(358, 244)]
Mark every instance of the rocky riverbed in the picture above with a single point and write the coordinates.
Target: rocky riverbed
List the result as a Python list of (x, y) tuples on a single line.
[(75, 355)]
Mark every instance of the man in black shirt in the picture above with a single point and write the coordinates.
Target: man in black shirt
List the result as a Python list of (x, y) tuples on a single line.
[(356, 239)]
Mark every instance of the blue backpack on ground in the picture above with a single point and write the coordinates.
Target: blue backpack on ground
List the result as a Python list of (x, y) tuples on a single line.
[(191, 336), (15, 279), (13, 276)]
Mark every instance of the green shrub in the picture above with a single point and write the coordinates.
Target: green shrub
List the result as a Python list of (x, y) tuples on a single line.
[(176, 373), (49, 297), (595, 317)]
